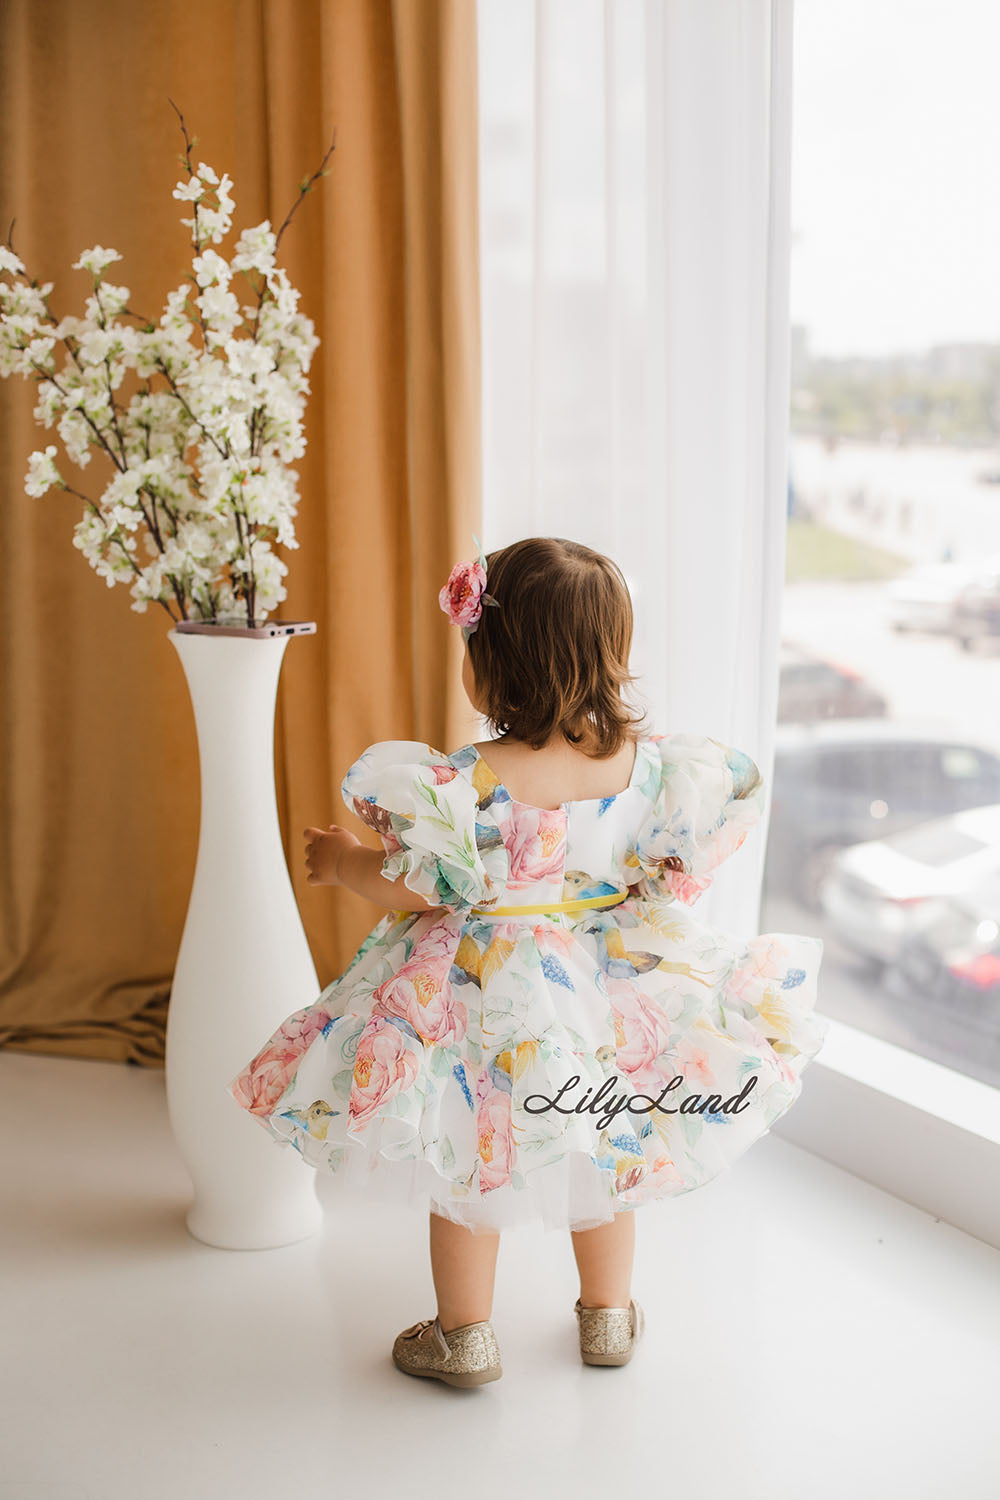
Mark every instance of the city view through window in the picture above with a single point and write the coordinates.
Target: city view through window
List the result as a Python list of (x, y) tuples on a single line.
[(885, 822)]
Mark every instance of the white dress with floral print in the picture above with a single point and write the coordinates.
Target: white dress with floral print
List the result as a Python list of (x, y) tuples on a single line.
[(549, 1068)]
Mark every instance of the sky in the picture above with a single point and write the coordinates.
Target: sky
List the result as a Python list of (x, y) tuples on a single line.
[(895, 193), (895, 174)]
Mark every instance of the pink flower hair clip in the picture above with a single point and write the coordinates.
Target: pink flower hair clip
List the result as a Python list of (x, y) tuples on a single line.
[(463, 596)]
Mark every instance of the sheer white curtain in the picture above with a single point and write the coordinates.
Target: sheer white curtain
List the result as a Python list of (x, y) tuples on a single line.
[(634, 233)]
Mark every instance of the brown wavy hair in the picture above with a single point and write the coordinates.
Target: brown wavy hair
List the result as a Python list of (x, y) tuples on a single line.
[(553, 658)]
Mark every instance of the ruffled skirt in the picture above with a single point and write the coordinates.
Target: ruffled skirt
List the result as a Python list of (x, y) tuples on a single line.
[(556, 1070)]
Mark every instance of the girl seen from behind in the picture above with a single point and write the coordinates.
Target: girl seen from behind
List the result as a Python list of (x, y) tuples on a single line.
[(539, 1030)]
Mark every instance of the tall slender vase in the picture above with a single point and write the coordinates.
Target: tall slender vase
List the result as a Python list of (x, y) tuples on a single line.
[(244, 963)]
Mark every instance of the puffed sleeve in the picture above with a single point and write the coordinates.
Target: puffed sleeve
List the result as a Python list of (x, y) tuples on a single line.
[(433, 830), (710, 796)]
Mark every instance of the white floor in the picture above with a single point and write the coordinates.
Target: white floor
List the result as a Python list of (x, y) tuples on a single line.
[(808, 1337)]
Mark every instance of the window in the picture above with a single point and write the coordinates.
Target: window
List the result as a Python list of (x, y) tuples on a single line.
[(885, 827)]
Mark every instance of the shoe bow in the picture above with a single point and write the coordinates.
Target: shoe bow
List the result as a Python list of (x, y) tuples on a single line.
[(418, 1328)]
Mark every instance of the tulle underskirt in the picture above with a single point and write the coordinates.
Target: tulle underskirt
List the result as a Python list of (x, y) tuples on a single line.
[(570, 1193)]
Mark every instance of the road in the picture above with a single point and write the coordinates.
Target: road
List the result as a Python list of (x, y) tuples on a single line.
[(927, 679)]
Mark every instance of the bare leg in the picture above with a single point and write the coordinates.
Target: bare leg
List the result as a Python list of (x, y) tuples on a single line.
[(463, 1265), (604, 1259)]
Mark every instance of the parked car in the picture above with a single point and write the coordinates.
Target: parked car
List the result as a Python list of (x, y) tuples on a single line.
[(844, 781), (924, 598), (874, 892), (812, 687), (951, 961), (976, 611)]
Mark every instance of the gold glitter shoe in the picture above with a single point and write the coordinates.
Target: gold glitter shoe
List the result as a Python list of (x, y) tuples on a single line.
[(609, 1335), (463, 1356)]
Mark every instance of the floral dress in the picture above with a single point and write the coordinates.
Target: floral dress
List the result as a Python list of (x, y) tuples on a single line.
[(505, 1062)]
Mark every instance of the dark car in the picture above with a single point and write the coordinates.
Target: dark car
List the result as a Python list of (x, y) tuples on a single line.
[(844, 781), (812, 687)]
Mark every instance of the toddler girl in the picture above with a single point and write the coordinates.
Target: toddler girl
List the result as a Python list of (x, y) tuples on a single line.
[(538, 1030)]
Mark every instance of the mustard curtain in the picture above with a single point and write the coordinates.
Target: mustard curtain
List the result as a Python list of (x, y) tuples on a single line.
[(99, 774)]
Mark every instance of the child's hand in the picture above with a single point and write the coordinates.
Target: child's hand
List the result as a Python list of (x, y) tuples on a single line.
[(323, 852)]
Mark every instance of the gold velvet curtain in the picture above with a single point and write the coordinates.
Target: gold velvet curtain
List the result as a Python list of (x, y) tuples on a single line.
[(99, 773)]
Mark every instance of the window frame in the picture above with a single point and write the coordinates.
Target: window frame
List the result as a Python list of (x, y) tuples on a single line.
[(866, 1105)]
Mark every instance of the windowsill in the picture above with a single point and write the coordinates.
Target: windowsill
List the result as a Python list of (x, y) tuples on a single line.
[(905, 1076), (910, 1126)]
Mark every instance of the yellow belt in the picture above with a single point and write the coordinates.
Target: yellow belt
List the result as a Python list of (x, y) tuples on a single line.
[(581, 905)]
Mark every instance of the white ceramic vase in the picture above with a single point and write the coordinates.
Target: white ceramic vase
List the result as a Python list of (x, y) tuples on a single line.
[(244, 963)]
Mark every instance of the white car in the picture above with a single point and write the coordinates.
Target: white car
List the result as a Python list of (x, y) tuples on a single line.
[(875, 893), (923, 598)]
